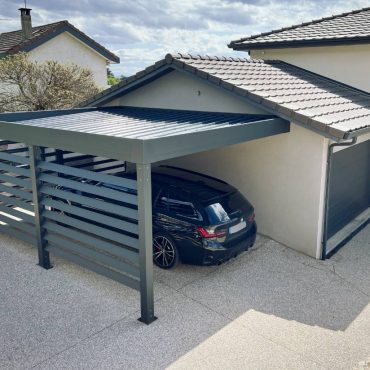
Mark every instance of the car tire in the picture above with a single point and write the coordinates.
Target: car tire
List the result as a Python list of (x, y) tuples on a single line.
[(165, 252)]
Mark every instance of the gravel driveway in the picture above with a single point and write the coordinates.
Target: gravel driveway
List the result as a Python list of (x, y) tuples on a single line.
[(270, 308)]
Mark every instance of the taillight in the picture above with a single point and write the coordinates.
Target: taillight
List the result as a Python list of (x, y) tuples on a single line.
[(209, 232), (251, 217)]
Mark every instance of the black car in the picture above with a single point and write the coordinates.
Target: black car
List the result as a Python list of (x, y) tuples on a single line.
[(197, 219)]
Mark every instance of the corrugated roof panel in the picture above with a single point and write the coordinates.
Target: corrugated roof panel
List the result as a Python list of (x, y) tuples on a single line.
[(142, 123)]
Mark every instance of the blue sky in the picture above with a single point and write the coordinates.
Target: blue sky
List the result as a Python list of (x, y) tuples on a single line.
[(142, 31)]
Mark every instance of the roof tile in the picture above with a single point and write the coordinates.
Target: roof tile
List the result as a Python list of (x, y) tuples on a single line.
[(346, 27), (294, 93)]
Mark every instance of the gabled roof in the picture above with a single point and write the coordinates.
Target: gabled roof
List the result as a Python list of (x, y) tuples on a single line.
[(12, 42), (316, 102), (342, 29)]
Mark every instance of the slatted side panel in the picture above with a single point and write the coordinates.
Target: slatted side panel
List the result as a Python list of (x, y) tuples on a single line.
[(16, 207), (84, 161), (92, 219)]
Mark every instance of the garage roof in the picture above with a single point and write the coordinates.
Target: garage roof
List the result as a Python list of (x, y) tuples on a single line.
[(328, 107), (138, 135)]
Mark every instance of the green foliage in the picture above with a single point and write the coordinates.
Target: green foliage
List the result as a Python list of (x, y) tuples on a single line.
[(112, 79), (27, 85)]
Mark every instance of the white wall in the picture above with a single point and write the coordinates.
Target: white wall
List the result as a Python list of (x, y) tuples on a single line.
[(177, 91), (282, 176), (65, 48), (348, 64)]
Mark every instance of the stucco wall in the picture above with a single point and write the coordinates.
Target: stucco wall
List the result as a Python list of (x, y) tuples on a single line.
[(282, 175), (348, 64), (177, 91), (65, 48)]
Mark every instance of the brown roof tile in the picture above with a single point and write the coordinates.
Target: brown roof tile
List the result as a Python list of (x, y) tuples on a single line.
[(345, 28), (281, 88), (12, 42)]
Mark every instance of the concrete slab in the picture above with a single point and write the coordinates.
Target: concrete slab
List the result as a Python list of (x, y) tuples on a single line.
[(183, 325), (45, 311), (274, 281), (269, 308)]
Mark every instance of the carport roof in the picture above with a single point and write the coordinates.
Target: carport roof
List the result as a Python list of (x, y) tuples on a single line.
[(138, 135)]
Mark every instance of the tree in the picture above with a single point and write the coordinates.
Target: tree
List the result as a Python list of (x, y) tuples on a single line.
[(111, 78), (27, 85)]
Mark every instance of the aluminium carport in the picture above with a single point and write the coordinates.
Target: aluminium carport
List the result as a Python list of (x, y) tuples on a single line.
[(110, 231)]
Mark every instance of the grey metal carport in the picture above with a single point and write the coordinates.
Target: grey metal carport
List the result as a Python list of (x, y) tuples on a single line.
[(141, 136)]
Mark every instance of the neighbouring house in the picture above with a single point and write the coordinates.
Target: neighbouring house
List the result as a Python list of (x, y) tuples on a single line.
[(337, 47), (59, 41)]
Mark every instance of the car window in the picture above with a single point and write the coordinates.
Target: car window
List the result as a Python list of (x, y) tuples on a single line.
[(179, 204)]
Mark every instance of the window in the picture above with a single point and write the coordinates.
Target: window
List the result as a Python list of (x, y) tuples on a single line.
[(179, 204)]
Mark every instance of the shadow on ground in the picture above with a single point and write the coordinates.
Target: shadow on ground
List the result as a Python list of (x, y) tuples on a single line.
[(269, 307)]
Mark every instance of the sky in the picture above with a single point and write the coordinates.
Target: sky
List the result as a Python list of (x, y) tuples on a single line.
[(141, 32)]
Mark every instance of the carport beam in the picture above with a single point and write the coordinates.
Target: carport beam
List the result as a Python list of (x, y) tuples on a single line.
[(35, 157), (144, 192)]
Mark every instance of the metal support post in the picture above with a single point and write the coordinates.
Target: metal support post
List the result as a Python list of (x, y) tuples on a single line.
[(35, 157), (144, 192)]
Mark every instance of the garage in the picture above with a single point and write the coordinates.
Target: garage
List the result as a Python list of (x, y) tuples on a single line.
[(349, 189), (58, 205)]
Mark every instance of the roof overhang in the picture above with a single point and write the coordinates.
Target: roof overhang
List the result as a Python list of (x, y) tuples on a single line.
[(138, 135), (248, 46), (64, 26)]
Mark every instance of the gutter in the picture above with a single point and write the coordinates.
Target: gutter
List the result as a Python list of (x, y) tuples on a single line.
[(324, 239)]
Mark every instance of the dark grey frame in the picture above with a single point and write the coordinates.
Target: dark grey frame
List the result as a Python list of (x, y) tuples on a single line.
[(141, 152)]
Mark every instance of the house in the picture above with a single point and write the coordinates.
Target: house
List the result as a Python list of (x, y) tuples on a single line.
[(298, 201), (59, 41), (337, 47), (295, 142)]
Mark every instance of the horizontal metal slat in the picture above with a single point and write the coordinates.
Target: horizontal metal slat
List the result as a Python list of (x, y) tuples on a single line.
[(19, 214), (14, 158), (128, 183), (96, 203), (24, 226), (93, 229), (14, 191), (113, 249), (16, 202), (18, 234), (92, 189), (24, 183), (92, 254), (15, 169), (76, 158), (6, 142), (93, 216), (124, 279), (108, 168)]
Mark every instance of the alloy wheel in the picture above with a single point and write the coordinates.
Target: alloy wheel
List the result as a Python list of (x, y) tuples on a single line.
[(164, 252)]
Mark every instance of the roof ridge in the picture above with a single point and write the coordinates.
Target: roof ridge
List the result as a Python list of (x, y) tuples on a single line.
[(170, 57), (303, 24), (37, 27)]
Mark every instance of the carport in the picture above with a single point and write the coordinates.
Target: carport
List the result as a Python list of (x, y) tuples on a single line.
[(59, 207)]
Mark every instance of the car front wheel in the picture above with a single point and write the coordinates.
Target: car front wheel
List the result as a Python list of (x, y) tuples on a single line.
[(165, 253)]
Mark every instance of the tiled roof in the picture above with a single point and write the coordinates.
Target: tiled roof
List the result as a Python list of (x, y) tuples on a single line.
[(12, 42), (346, 28), (324, 105)]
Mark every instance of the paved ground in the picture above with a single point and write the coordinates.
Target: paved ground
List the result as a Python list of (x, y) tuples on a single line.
[(271, 308)]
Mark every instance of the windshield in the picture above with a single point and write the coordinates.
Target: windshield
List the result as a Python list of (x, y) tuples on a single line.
[(226, 208)]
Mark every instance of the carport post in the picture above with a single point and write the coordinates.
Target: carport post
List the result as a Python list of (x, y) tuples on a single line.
[(144, 192), (35, 157)]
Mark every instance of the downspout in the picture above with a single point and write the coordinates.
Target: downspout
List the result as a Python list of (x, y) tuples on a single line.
[(327, 191)]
